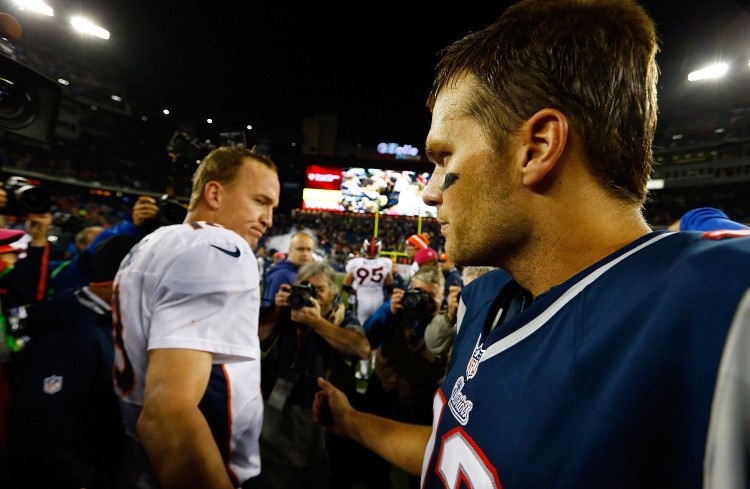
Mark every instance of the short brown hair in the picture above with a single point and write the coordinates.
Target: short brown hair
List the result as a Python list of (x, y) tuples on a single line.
[(593, 60), (222, 165)]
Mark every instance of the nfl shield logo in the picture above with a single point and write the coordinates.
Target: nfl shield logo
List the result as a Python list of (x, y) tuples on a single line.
[(52, 384), (476, 356)]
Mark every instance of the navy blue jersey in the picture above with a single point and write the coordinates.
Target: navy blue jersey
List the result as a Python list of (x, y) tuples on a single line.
[(603, 381)]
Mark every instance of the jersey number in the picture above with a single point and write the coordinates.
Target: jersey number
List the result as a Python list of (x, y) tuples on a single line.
[(460, 462), (375, 275)]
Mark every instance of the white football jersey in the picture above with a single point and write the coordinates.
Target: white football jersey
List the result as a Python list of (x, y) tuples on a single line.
[(369, 278), (194, 286)]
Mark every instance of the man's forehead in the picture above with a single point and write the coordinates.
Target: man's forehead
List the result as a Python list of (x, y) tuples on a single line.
[(318, 280)]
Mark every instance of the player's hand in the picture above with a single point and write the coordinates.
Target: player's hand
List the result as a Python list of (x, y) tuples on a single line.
[(144, 209), (396, 298), (330, 407), (454, 294)]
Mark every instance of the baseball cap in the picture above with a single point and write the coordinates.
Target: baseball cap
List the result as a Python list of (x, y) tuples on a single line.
[(424, 255), (444, 257), (421, 241)]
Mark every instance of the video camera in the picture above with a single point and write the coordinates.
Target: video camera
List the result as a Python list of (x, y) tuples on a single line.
[(24, 198), (301, 294), (417, 302), (29, 101)]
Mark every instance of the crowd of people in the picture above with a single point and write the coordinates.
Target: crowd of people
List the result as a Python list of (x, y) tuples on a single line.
[(537, 333)]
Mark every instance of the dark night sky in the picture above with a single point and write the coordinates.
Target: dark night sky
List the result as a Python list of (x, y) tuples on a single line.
[(276, 63)]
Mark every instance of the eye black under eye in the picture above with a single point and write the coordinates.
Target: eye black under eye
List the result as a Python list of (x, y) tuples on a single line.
[(450, 179)]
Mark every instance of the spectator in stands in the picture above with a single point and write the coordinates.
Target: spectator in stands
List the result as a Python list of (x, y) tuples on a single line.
[(406, 373), (301, 248), (312, 338), (65, 413), (439, 334), (705, 219), (602, 353)]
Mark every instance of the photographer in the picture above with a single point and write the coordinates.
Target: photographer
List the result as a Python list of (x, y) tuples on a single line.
[(406, 373), (24, 266), (314, 336)]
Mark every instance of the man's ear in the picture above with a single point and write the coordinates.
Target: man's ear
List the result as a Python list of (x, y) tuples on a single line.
[(212, 194), (546, 135)]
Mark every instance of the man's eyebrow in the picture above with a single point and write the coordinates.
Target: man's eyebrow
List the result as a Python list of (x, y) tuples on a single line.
[(448, 180)]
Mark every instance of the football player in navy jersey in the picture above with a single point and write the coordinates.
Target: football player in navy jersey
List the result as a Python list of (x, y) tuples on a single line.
[(590, 359)]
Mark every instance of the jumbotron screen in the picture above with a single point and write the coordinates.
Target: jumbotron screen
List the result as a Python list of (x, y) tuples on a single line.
[(366, 190)]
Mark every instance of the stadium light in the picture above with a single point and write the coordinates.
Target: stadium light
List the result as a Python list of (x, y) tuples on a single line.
[(716, 70), (35, 6), (85, 26)]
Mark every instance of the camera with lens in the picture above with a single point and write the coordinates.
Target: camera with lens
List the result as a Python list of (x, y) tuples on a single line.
[(29, 101), (24, 198), (416, 302), (301, 294), (171, 211)]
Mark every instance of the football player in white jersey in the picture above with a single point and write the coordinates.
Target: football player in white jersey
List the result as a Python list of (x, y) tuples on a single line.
[(368, 278), (187, 356)]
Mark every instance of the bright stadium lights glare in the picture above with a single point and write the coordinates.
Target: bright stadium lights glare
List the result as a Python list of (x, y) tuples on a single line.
[(35, 6), (85, 26), (709, 72)]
